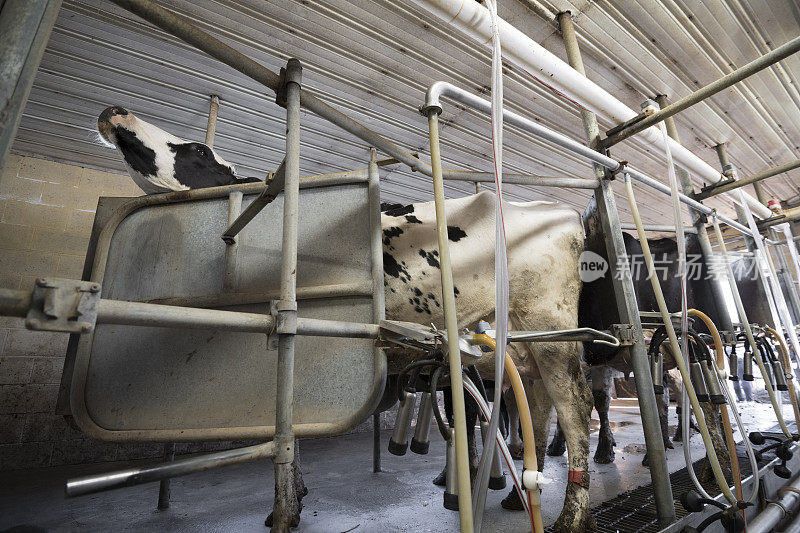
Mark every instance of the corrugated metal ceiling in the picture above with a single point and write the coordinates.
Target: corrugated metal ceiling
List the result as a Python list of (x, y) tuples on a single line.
[(374, 60)]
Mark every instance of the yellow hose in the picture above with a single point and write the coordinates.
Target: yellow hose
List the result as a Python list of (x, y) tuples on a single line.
[(723, 408), (787, 364), (529, 461), (676, 349)]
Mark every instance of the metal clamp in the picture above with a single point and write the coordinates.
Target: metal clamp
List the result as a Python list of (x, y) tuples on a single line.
[(612, 174), (65, 305), (624, 332)]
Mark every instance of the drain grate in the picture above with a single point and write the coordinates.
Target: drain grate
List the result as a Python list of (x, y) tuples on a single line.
[(634, 511)]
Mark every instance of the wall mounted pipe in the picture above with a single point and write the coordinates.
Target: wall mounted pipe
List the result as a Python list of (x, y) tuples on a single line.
[(473, 19)]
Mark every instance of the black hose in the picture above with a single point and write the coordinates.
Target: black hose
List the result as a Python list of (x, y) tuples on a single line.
[(413, 366)]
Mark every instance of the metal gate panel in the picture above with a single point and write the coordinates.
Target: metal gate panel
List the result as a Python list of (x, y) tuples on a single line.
[(157, 384)]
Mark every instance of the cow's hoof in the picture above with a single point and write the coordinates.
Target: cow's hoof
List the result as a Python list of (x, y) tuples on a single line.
[(516, 450), (604, 457), (574, 524), (677, 437), (512, 502), (668, 444), (295, 521), (441, 479), (646, 461), (557, 448)]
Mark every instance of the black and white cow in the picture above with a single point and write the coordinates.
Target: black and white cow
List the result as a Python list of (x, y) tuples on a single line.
[(602, 358), (545, 241), (160, 162)]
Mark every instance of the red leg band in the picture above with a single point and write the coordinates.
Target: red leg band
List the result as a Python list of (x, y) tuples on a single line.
[(579, 477)]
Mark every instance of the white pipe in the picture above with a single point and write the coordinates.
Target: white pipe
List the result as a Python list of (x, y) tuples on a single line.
[(473, 19)]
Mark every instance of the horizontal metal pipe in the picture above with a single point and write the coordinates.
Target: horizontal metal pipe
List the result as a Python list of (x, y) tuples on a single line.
[(774, 512), (270, 192), (335, 290), (442, 88), (780, 219), (658, 227), (711, 89), (331, 328), (168, 316), (181, 467), (774, 171), (523, 179), (14, 302)]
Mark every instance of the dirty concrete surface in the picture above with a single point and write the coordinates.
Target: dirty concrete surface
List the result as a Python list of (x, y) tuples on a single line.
[(344, 494)]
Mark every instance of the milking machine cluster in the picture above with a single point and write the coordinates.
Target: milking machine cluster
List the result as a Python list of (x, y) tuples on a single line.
[(708, 382), (420, 379)]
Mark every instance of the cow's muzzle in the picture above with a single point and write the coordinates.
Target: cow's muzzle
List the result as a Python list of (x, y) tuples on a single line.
[(106, 122)]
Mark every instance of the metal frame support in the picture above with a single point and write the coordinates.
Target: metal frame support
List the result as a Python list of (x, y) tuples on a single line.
[(211, 128), (286, 505), (25, 26), (711, 89), (723, 319), (755, 179), (234, 208), (603, 206)]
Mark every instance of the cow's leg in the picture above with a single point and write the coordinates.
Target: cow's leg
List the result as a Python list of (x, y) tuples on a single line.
[(714, 424), (566, 385), (515, 446), (299, 486), (601, 392), (558, 446), (541, 407)]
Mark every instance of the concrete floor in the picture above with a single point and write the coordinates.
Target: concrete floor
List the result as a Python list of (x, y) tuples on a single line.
[(344, 494)]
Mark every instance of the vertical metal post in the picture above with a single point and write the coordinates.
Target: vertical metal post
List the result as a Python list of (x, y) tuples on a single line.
[(163, 487), (230, 281), (286, 504), (378, 295), (723, 319), (786, 275), (234, 206), (211, 128), (451, 326), (756, 307), (25, 26), (605, 208)]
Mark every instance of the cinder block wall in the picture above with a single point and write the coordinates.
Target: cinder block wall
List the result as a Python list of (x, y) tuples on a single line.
[(46, 215)]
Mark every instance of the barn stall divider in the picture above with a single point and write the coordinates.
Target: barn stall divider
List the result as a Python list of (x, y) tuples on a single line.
[(160, 303)]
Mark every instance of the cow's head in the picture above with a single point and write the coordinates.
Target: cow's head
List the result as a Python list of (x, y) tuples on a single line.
[(162, 159)]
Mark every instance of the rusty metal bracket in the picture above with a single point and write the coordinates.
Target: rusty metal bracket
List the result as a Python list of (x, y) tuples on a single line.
[(624, 332), (65, 305), (612, 174)]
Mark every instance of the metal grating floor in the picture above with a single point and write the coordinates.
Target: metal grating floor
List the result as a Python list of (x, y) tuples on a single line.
[(634, 511)]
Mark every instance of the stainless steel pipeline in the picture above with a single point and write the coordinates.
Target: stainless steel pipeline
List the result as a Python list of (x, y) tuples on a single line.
[(136, 476), (775, 511), (442, 88), (521, 179)]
